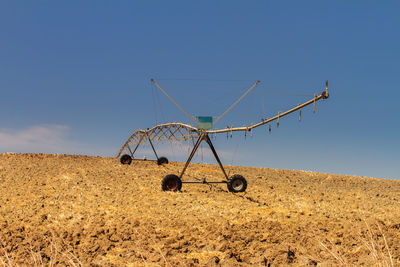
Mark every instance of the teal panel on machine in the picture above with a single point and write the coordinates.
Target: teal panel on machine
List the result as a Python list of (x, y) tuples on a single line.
[(205, 123)]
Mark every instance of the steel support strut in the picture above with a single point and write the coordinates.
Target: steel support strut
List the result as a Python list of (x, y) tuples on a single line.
[(208, 140), (151, 143), (130, 151), (196, 146), (203, 137), (140, 141)]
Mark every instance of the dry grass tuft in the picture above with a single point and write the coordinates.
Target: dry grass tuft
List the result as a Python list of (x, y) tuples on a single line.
[(57, 257), (376, 244)]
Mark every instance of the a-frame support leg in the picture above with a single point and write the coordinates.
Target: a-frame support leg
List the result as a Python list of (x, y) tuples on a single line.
[(140, 141), (135, 149), (130, 151), (195, 147), (151, 143), (202, 137), (208, 140)]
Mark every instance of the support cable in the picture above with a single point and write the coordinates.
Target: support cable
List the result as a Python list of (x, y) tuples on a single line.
[(190, 117), (237, 101)]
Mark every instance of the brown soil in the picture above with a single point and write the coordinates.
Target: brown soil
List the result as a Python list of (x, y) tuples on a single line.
[(60, 209)]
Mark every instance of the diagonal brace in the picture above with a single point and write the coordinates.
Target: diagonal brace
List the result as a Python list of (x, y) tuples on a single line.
[(151, 143), (203, 137)]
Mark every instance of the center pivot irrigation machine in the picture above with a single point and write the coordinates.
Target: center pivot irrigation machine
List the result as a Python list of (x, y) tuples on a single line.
[(183, 132)]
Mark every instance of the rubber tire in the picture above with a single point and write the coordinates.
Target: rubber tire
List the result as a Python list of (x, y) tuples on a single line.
[(237, 179), (162, 161), (126, 159), (171, 182)]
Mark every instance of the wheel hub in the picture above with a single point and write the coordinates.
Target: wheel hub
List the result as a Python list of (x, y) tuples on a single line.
[(237, 185), (172, 185)]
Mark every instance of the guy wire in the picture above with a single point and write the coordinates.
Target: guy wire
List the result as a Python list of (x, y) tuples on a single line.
[(154, 102), (198, 79)]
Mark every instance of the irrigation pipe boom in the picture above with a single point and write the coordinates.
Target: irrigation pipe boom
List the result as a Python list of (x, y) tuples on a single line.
[(176, 131)]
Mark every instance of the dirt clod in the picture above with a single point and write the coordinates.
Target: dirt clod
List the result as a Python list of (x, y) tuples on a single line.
[(94, 211)]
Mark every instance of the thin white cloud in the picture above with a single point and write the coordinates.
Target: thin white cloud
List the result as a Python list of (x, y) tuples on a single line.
[(55, 138), (39, 138)]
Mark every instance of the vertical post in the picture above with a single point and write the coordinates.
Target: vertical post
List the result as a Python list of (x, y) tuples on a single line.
[(326, 87), (325, 94)]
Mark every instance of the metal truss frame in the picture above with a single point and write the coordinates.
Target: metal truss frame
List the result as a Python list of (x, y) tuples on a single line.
[(176, 131)]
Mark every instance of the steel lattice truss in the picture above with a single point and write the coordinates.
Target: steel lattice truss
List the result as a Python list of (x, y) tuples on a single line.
[(174, 131), (180, 132)]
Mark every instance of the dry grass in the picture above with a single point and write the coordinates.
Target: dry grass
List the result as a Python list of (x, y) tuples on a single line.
[(5, 258), (35, 258), (373, 241), (381, 254)]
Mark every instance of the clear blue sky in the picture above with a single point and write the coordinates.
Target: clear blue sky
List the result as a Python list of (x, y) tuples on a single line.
[(74, 76)]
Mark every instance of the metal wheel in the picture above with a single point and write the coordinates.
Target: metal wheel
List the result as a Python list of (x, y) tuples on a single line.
[(126, 159), (237, 184), (162, 160), (171, 182)]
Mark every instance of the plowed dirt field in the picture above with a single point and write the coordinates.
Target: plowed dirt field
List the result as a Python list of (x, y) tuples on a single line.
[(73, 210)]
